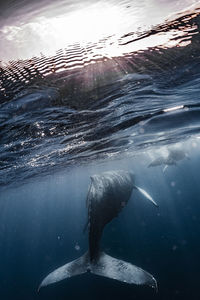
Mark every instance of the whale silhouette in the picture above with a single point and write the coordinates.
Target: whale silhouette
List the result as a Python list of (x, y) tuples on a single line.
[(108, 193), (172, 158)]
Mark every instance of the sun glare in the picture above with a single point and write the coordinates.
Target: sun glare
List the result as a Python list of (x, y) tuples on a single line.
[(45, 35), (88, 26)]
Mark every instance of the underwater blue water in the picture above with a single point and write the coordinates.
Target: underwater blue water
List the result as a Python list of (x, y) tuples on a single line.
[(42, 224), (77, 113)]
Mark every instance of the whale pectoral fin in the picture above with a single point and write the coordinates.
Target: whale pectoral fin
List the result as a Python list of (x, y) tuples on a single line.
[(165, 168), (120, 270), (76, 267), (145, 194)]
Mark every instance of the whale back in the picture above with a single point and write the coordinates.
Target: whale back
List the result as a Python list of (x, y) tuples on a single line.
[(176, 154), (108, 193)]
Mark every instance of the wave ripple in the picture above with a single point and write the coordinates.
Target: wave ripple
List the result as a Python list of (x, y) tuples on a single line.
[(81, 105)]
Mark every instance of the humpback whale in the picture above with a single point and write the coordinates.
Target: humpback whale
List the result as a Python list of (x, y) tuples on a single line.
[(173, 156), (108, 193)]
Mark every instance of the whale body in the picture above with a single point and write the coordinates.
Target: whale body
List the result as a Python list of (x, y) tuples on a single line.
[(172, 158), (108, 193)]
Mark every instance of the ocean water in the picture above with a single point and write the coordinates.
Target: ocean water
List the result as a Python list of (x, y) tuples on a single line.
[(88, 87)]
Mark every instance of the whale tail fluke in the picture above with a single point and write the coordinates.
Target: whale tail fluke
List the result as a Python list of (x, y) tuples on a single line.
[(105, 266), (120, 270), (76, 267)]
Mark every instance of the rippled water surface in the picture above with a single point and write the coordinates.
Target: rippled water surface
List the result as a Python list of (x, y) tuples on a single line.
[(96, 98), (88, 86)]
